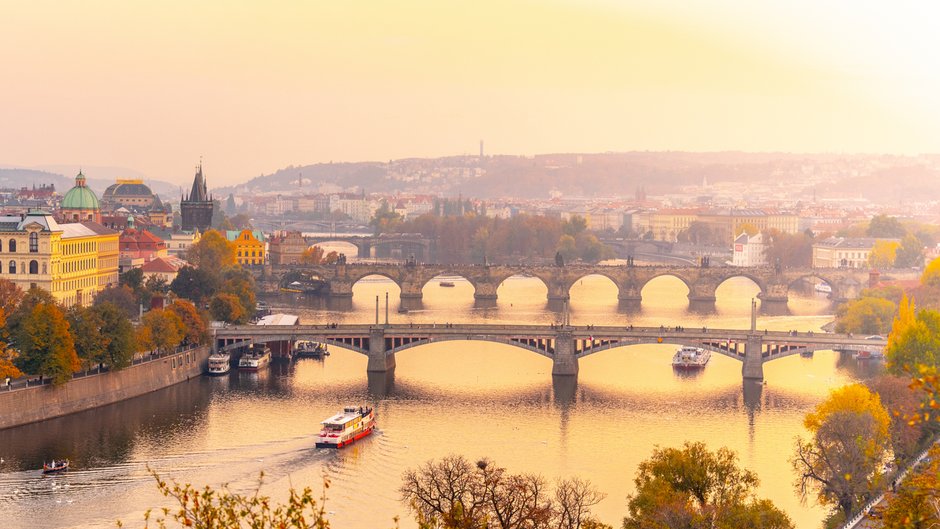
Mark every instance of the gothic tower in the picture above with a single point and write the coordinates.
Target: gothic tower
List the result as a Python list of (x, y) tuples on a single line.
[(196, 208)]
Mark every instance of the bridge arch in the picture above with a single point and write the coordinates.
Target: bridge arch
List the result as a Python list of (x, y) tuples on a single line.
[(668, 341), (668, 273), (601, 276), (441, 280), (478, 338), (501, 282), (829, 280)]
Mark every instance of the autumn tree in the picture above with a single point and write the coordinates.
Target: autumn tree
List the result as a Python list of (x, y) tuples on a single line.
[(312, 255), (902, 403), (86, 327), (30, 299), (883, 254), (212, 250), (914, 339), (917, 502), (196, 284), (46, 347), (841, 462), (118, 334), (385, 219), (865, 315), (239, 282), (793, 250), (227, 308), (10, 296), (931, 276), (161, 330), (197, 331), (454, 494), (696, 488)]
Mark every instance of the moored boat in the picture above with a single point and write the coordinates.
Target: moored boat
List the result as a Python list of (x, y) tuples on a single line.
[(309, 349), (447, 283), (346, 427), (823, 287), (219, 363), (55, 467), (258, 356), (688, 357)]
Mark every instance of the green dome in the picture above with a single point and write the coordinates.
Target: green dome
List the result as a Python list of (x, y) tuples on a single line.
[(80, 197)]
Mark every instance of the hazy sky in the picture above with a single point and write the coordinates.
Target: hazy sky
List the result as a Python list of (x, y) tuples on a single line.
[(256, 86)]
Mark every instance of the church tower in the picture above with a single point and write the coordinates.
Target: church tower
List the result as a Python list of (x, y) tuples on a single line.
[(196, 209)]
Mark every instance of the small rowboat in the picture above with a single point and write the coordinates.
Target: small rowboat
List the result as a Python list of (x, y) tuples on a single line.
[(55, 467)]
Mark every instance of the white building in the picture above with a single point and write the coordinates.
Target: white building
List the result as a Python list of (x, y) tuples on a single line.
[(749, 250)]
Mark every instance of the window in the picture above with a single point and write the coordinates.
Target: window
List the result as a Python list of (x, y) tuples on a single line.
[(33, 242), (12, 245), (33, 267)]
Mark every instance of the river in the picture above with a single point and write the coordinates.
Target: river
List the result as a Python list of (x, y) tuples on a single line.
[(477, 399)]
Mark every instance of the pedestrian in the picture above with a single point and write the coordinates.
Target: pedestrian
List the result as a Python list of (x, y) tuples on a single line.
[(8, 382)]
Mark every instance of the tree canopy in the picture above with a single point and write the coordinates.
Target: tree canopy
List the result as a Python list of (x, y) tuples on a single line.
[(46, 347), (865, 315), (886, 227), (212, 250)]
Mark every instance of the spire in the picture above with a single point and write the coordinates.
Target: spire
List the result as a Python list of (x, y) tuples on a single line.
[(198, 192)]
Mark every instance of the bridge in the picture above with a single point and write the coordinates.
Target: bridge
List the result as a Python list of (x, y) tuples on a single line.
[(389, 246), (702, 282), (565, 345)]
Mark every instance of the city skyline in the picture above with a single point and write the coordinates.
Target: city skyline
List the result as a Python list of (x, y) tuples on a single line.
[(254, 89)]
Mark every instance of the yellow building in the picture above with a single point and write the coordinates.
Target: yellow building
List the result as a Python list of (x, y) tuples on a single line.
[(249, 246), (73, 261)]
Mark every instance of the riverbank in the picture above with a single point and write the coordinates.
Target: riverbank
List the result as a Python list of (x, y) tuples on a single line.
[(37, 403)]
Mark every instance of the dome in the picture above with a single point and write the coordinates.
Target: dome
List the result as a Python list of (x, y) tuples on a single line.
[(125, 188), (80, 196)]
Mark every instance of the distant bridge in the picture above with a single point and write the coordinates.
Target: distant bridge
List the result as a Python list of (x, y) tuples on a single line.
[(565, 345), (390, 246), (702, 282)]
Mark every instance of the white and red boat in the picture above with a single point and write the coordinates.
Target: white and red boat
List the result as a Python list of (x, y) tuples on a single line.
[(255, 358), (346, 427), (688, 357)]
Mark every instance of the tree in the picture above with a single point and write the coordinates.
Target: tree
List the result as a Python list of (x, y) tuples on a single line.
[(453, 494), (696, 488), (790, 249), (224, 509), (917, 503), (331, 258), (196, 284), (865, 315), (8, 355), (212, 251), (914, 340), (10, 296), (385, 219), (86, 328), (121, 297), (196, 330), (227, 308), (841, 463), (901, 402), (931, 276), (133, 278), (883, 254), (574, 225), (162, 330), (240, 283), (590, 248), (45, 344), (31, 298), (910, 253), (118, 333), (156, 285), (886, 227), (312, 255), (567, 247)]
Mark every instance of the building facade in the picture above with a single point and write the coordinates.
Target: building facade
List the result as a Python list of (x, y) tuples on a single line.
[(196, 208), (287, 248), (73, 261), (749, 250), (80, 204), (249, 246), (842, 252)]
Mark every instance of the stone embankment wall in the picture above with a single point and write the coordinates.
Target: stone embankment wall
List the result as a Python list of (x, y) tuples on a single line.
[(24, 406)]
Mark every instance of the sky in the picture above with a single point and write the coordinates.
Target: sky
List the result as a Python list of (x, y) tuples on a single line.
[(252, 87)]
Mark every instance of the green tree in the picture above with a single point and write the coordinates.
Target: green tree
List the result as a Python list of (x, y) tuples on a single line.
[(197, 332), (118, 334), (240, 283), (883, 226), (86, 328), (122, 297), (385, 219), (567, 247), (227, 308), (574, 225), (133, 278), (841, 462), (695, 488), (865, 315), (793, 250), (45, 344), (162, 330), (910, 253), (212, 251), (196, 284)]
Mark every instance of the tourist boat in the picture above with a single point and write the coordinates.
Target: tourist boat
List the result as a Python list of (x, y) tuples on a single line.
[(55, 467), (219, 363), (257, 357), (823, 287), (346, 427), (447, 283), (807, 354), (688, 357), (309, 349)]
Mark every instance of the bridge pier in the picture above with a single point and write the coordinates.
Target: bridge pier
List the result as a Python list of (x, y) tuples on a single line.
[(564, 360), (558, 291), (411, 290), (753, 365), (484, 290), (379, 360)]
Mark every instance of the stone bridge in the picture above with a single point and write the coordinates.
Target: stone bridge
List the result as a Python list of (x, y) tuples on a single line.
[(389, 246), (702, 282), (565, 345)]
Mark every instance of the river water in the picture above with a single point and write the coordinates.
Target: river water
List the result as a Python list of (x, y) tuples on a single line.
[(477, 399)]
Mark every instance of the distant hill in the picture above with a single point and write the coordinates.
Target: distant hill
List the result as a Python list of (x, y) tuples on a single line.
[(64, 178), (597, 174)]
